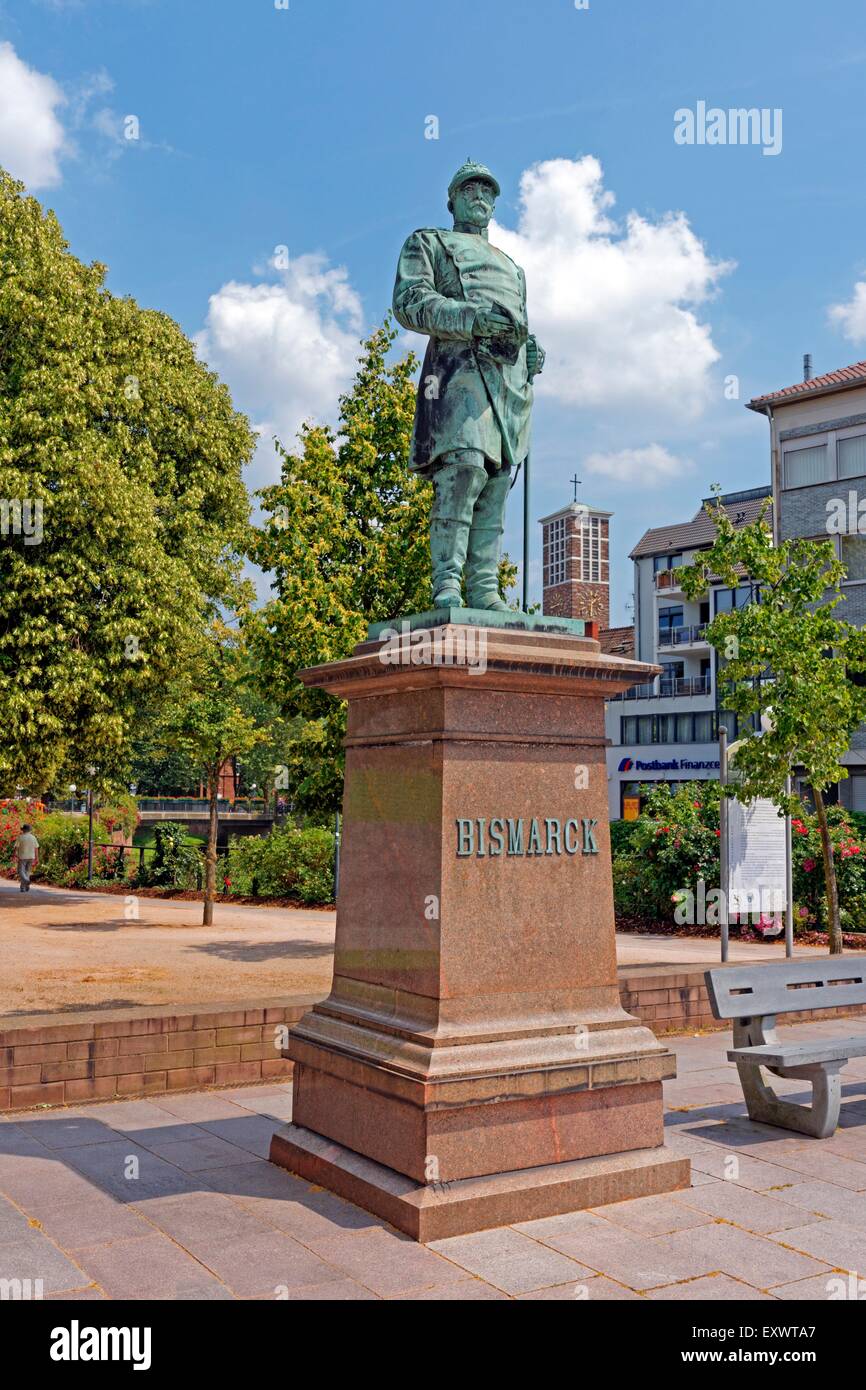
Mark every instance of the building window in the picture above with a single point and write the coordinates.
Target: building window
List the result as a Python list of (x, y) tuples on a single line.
[(645, 728), (727, 600), (672, 728), (554, 539), (853, 793), (704, 728), (854, 556), (727, 719), (670, 618), (666, 562), (851, 456), (685, 728), (803, 467), (590, 549)]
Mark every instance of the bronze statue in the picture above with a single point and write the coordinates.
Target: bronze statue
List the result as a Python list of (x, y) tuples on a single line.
[(472, 415)]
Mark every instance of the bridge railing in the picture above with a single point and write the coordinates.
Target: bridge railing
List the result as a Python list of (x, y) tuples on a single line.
[(194, 805)]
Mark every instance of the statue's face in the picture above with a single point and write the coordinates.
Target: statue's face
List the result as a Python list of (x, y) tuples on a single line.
[(474, 203)]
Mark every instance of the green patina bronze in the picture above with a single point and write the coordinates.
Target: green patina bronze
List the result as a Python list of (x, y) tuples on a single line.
[(476, 617), (472, 416)]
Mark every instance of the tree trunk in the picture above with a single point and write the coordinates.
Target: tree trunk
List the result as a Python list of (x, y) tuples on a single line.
[(211, 856), (830, 887)]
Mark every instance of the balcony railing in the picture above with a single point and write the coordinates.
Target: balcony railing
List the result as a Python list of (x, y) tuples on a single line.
[(684, 685), (667, 579), (682, 636), (666, 687)]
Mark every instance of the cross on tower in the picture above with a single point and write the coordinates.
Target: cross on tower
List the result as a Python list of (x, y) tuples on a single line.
[(578, 482)]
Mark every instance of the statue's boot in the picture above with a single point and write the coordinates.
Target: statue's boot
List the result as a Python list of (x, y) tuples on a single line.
[(485, 542), (449, 539), (457, 485)]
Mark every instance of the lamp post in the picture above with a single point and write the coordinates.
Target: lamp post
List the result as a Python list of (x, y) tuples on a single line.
[(526, 534), (91, 772)]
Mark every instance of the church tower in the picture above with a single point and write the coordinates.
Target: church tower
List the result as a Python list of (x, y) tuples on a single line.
[(576, 563)]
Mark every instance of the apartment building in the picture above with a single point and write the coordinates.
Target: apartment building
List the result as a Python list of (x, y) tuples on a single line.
[(668, 730), (818, 461)]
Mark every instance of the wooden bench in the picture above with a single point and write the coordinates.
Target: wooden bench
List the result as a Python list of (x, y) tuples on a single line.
[(753, 996)]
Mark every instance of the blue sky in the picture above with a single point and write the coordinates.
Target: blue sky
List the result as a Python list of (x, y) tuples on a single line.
[(304, 128)]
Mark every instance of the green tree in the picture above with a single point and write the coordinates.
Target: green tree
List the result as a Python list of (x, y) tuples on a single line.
[(264, 766), (121, 454), (155, 770), (789, 651), (346, 540), (208, 721)]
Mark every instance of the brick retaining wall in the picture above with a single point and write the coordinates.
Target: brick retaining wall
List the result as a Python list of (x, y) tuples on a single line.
[(103, 1054), (107, 1054), (675, 999)]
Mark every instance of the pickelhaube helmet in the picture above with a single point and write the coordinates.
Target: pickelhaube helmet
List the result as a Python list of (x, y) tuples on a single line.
[(468, 171)]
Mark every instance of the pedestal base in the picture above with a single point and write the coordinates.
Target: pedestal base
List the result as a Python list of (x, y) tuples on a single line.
[(432, 1212)]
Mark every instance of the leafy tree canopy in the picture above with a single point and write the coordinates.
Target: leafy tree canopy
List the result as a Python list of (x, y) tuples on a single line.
[(790, 656), (132, 452)]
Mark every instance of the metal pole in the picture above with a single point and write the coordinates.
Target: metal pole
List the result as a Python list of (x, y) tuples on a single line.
[(526, 534), (89, 834), (723, 838), (336, 854), (789, 880)]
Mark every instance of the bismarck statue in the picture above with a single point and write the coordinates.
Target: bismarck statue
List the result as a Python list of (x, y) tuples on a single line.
[(474, 403)]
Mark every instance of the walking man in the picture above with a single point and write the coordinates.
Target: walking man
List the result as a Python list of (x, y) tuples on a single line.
[(27, 851)]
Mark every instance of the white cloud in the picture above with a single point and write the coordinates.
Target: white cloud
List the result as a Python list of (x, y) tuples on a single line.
[(613, 305), (850, 318), (32, 138), (287, 349), (639, 467)]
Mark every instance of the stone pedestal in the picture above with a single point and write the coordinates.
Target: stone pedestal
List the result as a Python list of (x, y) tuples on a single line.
[(472, 1065)]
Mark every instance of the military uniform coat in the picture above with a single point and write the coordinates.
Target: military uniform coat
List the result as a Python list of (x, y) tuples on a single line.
[(473, 394)]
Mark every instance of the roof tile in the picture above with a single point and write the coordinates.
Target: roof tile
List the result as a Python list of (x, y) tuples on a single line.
[(855, 375), (700, 531)]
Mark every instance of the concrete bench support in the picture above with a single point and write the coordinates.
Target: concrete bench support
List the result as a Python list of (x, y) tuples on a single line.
[(821, 1118), (752, 996)]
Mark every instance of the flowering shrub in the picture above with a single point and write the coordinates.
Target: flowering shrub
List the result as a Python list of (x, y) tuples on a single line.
[(12, 814), (673, 845), (63, 847), (122, 814), (109, 867), (849, 853), (63, 840), (288, 863)]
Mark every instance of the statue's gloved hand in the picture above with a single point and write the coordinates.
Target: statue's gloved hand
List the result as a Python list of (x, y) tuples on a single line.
[(535, 355), (489, 324)]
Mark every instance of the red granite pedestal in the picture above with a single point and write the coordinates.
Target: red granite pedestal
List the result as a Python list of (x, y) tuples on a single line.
[(472, 1065)]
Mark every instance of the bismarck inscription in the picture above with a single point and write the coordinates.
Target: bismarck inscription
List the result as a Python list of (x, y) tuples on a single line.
[(480, 838)]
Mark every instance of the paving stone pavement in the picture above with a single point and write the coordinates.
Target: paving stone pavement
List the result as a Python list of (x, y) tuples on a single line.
[(172, 1198)]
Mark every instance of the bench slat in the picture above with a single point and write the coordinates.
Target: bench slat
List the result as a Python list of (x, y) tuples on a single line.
[(800, 1054), (781, 987)]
